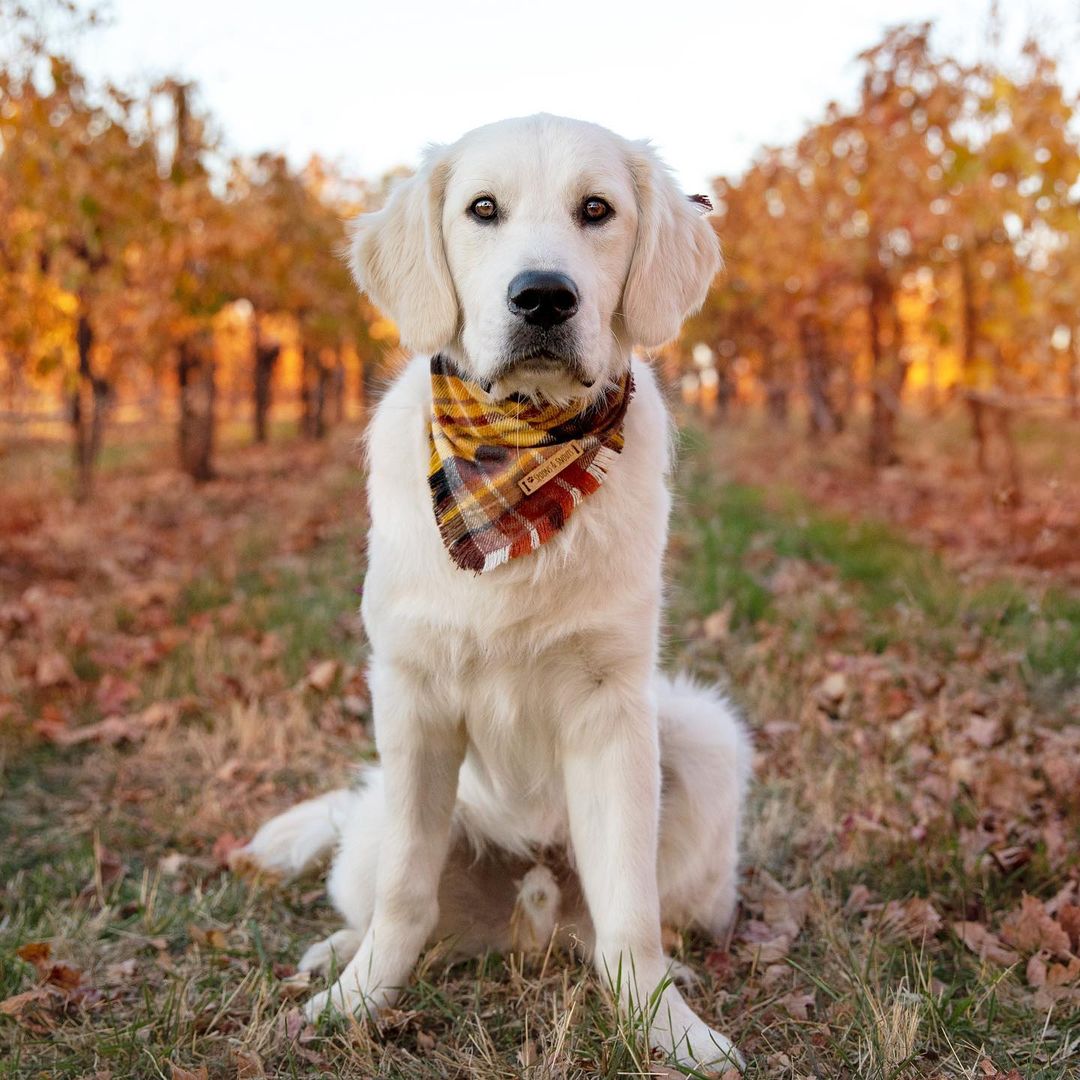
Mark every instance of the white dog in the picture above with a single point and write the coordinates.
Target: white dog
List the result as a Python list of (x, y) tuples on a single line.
[(519, 714)]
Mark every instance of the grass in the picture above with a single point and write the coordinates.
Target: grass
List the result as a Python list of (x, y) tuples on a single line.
[(733, 537), (892, 788)]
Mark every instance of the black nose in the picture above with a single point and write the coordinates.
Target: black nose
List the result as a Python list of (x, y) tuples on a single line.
[(542, 297)]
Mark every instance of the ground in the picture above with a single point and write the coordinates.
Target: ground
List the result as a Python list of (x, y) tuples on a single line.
[(177, 663)]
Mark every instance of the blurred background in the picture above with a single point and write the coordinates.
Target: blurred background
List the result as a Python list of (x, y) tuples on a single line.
[(898, 204)]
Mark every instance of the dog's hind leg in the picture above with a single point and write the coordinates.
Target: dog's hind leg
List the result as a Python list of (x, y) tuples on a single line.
[(351, 882), (705, 760)]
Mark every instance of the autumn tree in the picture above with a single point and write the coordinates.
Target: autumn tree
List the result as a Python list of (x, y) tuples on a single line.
[(941, 211), (78, 194)]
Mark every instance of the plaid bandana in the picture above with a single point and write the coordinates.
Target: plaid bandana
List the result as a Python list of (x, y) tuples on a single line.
[(506, 475)]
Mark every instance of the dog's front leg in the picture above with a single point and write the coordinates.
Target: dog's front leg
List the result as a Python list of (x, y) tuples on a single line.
[(613, 791), (421, 757)]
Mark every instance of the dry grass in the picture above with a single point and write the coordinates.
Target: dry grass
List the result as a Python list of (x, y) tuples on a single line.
[(917, 760)]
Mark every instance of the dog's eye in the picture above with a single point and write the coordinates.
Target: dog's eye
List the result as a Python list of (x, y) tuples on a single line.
[(484, 208), (594, 210)]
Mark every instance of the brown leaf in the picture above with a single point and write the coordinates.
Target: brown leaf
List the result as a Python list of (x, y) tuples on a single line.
[(211, 937), (985, 945), (1069, 918), (990, 1071), (54, 669), (114, 694), (35, 952), (321, 676), (39, 953), (28, 1009), (110, 731), (64, 976), (293, 1023), (857, 899), (249, 1065), (798, 1006), (982, 731), (1030, 929), (717, 626), (914, 919), (224, 846), (1036, 971), (1063, 974), (179, 1072), (783, 909)]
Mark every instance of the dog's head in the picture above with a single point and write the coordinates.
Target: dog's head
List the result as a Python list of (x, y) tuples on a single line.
[(535, 253)]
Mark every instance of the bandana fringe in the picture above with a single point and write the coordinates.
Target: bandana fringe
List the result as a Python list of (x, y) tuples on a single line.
[(481, 452)]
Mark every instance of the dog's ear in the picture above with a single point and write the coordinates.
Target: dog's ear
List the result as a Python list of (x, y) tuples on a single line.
[(397, 257), (676, 256)]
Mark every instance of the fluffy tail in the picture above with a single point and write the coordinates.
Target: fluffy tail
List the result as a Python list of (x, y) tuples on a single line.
[(291, 843)]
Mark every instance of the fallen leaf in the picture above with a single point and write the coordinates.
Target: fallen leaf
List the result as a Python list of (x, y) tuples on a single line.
[(1036, 971), (54, 669), (717, 626), (110, 731), (1069, 917), (857, 899), (355, 705), (114, 694), (527, 1054), (985, 945), (783, 909), (212, 937), (28, 1009), (34, 952), (1030, 929), (120, 972), (1063, 974), (39, 954), (321, 676), (181, 1073), (983, 731), (249, 1065), (224, 846), (914, 919), (798, 1006)]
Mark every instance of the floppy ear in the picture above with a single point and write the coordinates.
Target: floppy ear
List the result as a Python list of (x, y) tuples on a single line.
[(396, 256), (676, 257)]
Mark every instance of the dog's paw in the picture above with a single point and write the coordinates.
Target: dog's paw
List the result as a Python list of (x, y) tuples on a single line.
[(332, 952), (696, 1046), (341, 1000)]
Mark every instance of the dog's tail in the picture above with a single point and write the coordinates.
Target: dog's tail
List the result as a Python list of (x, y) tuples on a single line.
[(291, 843)]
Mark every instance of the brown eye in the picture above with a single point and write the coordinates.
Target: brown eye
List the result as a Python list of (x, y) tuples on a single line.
[(484, 208), (594, 210)]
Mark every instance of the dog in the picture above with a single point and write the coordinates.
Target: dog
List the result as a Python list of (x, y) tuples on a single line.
[(537, 771)]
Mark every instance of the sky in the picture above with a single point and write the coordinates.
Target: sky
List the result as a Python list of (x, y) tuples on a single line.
[(368, 84)]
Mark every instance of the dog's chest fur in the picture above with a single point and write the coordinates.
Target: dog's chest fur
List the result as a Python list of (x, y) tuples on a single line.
[(514, 653)]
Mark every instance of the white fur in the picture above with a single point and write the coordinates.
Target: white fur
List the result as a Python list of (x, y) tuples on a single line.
[(520, 712)]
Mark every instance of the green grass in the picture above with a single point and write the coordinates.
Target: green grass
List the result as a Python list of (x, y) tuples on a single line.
[(734, 537)]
